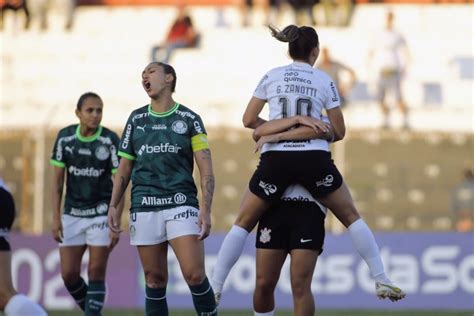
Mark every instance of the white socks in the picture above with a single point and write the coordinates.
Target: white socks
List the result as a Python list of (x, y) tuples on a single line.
[(264, 314), (365, 244), (20, 305), (229, 253)]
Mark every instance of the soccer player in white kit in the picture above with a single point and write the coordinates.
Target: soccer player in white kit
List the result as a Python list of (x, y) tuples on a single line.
[(297, 94), (389, 54)]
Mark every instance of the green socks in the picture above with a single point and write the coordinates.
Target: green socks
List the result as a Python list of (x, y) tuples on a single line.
[(78, 291), (155, 302), (95, 298), (203, 298)]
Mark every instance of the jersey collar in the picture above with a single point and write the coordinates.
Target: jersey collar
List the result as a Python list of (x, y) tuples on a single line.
[(163, 114), (88, 139), (302, 64)]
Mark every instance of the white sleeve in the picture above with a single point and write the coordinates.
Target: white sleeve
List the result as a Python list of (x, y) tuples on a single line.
[(332, 95), (261, 90)]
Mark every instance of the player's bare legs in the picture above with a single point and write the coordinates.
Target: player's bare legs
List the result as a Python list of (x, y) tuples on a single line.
[(404, 109), (269, 263), (154, 259), (189, 251), (341, 204), (190, 254), (98, 257), (71, 258), (251, 210), (302, 267), (385, 112)]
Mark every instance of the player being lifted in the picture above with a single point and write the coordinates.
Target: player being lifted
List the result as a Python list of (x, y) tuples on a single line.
[(87, 154), (298, 94), (159, 145)]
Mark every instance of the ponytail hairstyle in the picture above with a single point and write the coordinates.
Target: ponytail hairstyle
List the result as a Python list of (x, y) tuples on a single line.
[(301, 40)]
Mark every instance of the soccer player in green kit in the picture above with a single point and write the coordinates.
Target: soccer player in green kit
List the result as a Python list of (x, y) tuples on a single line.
[(87, 153), (159, 144)]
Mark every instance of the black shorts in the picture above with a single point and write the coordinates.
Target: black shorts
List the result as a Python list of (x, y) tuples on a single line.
[(292, 225), (315, 170), (7, 215)]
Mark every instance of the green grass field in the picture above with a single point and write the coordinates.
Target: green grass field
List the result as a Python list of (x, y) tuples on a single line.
[(287, 313)]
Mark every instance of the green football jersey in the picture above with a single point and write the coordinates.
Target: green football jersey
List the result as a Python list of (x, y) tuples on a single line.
[(161, 146), (89, 163)]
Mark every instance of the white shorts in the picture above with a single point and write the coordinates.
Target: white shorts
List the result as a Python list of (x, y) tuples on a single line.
[(152, 228), (92, 231)]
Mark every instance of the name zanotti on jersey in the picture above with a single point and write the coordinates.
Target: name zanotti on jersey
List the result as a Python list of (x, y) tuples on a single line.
[(297, 89)]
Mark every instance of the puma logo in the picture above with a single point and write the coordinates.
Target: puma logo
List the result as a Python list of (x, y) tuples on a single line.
[(69, 149)]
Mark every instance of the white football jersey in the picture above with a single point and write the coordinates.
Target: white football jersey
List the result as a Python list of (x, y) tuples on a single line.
[(297, 89), (387, 47)]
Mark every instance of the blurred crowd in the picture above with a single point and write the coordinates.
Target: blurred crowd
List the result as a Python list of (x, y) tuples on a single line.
[(36, 12), (385, 53), (463, 202), (335, 12)]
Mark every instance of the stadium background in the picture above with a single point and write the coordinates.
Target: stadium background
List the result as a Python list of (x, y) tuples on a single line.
[(402, 181)]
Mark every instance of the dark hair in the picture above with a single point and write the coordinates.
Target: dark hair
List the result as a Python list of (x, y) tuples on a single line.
[(168, 69), (83, 97), (468, 173), (301, 40), (187, 20)]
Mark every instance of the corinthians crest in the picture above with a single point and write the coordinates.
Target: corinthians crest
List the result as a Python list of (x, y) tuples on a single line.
[(265, 235)]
